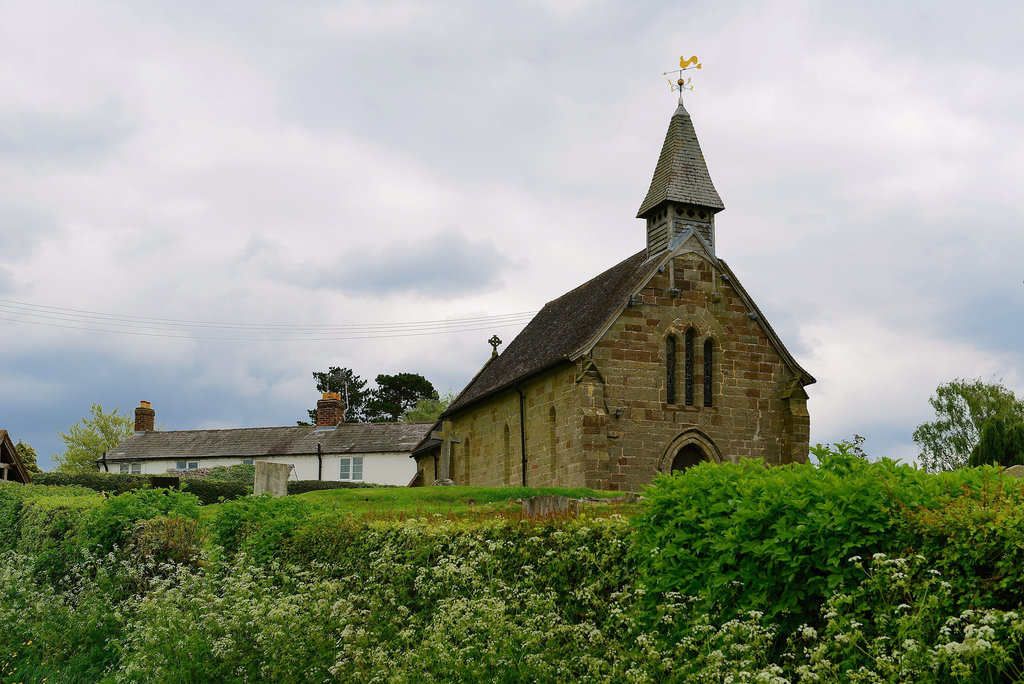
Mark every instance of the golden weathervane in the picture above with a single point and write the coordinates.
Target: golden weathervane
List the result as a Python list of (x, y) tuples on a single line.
[(685, 64)]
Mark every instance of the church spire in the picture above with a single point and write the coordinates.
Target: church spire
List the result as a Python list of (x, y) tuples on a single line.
[(681, 195)]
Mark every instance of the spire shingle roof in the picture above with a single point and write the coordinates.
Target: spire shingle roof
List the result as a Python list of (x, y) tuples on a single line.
[(681, 174)]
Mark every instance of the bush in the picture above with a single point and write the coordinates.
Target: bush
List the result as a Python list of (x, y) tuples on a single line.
[(1000, 443), (212, 491), (173, 539), (111, 523), (112, 483), (776, 539), (303, 486)]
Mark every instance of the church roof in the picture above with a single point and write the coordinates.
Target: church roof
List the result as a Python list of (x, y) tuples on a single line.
[(346, 438), (681, 174), (559, 330)]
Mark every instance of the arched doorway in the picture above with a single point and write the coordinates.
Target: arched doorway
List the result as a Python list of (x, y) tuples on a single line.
[(687, 457), (689, 448)]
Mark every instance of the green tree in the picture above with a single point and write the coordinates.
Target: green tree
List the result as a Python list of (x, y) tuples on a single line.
[(1000, 443), (88, 439), (962, 407), (428, 409), (396, 394), (28, 457), (350, 386)]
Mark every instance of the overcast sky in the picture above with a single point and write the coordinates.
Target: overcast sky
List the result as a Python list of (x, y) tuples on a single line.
[(341, 163)]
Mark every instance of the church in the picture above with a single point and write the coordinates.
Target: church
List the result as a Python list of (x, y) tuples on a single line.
[(658, 363)]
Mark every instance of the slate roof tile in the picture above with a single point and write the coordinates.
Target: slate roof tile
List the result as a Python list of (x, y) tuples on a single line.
[(346, 438)]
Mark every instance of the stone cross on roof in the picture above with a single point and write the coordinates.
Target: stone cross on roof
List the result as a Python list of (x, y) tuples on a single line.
[(447, 436)]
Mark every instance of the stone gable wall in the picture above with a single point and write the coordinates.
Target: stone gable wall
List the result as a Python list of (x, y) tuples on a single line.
[(749, 416)]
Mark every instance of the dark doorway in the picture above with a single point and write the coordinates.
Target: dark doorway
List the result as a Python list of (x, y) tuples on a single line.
[(687, 457)]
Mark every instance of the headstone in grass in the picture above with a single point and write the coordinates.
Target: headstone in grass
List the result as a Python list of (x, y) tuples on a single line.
[(1015, 471), (271, 477), (539, 506)]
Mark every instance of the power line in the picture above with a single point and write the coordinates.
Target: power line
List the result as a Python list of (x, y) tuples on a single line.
[(94, 321)]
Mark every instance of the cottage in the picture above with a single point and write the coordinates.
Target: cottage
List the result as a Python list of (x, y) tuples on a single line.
[(658, 363), (375, 453)]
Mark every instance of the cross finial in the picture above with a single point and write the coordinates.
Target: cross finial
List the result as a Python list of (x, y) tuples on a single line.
[(494, 342), (681, 84)]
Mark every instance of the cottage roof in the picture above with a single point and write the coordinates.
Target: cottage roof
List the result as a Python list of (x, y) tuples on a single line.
[(10, 461), (681, 174), (346, 438)]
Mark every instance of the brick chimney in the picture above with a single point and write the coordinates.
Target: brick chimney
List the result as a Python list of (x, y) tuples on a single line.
[(145, 417), (330, 410)]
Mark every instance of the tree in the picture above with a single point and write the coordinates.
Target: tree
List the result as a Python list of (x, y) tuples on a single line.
[(27, 455), (1001, 443), (87, 440), (962, 408), (427, 409), (396, 394), (350, 386)]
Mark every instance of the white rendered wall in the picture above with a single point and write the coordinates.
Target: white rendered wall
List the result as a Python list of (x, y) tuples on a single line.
[(391, 468)]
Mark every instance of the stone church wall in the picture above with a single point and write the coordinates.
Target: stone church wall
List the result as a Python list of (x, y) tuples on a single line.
[(748, 417)]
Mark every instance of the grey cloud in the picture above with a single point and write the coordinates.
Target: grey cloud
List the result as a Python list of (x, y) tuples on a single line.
[(447, 264), (50, 136)]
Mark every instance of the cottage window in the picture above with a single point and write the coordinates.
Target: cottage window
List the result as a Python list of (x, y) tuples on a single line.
[(670, 369), (123, 468), (248, 461), (351, 468), (193, 465), (709, 350), (180, 465), (136, 468), (688, 367)]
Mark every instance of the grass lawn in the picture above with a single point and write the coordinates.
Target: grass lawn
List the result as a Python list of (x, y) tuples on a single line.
[(420, 501)]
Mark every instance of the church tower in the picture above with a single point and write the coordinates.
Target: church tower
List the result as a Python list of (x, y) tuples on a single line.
[(682, 197)]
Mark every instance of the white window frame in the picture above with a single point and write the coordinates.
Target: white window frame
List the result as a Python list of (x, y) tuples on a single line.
[(123, 469), (136, 468), (348, 467)]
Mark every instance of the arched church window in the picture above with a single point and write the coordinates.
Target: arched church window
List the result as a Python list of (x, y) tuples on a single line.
[(670, 369), (688, 367), (709, 365)]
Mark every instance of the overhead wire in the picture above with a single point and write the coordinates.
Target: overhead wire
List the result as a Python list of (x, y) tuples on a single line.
[(95, 321)]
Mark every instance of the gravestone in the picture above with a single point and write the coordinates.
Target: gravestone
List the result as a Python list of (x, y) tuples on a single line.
[(447, 436), (1015, 471), (538, 506), (271, 477)]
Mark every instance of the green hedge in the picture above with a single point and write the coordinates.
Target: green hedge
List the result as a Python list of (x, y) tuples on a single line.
[(211, 492), (303, 486), (112, 483), (779, 539)]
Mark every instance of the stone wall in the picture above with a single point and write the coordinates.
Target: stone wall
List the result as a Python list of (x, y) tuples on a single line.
[(749, 416)]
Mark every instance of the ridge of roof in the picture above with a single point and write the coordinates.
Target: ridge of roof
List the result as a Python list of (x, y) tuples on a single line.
[(557, 331), (681, 174)]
